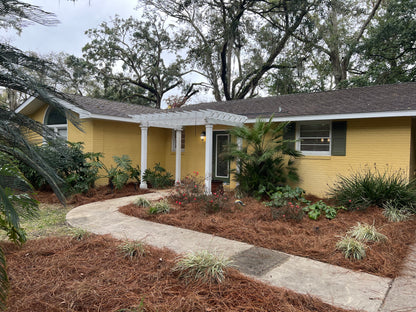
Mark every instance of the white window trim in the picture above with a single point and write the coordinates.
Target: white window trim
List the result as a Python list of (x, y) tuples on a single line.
[(313, 153), (173, 141)]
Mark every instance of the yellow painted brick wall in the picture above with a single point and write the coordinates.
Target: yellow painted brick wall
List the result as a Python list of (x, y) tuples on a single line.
[(193, 157), (380, 142)]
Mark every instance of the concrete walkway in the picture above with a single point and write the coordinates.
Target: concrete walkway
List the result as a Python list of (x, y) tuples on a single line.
[(332, 284)]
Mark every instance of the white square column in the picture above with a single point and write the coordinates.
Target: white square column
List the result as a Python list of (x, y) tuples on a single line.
[(143, 162), (178, 156), (208, 158)]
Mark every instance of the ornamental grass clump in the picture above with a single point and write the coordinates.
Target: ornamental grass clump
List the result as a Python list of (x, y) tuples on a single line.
[(142, 202), (394, 214), (160, 207), (133, 249), (372, 187), (366, 233), (352, 248), (202, 266)]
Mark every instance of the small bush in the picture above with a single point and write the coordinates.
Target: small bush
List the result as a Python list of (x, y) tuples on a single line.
[(203, 266), (317, 209), (366, 232), (142, 202), (160, 207), (394, 214), (79, 234), (78, 170), (119, 175), (214, 202), (158, 177), (190, 190), (363, 189), (133, 249), (352, 248), (289, 212)]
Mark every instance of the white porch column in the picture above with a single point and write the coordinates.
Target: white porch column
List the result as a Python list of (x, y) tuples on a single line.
[(208, 158), (178, 156), (143, 164), (239, 146)]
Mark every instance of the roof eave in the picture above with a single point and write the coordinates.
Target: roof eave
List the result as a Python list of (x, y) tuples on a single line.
[(407, 113)]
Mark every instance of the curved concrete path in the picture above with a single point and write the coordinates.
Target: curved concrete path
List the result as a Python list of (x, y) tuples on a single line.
[(332, 284)]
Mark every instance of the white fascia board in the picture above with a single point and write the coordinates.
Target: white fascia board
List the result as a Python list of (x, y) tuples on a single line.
[(25, 104), (107, 117), (410, 113)]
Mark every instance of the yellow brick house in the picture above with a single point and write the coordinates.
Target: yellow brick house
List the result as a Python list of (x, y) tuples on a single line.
[(336, 131)]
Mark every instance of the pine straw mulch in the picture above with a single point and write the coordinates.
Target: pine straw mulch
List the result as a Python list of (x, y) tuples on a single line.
[(253, 224), (63, 274), (95, 194)]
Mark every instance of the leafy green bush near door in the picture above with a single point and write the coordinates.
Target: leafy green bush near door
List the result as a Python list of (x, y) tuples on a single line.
[(265, 160), (158, 177)]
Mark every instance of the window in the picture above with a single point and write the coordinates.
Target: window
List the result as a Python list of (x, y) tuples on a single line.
[(314, 138), (56, 120), (221, 165), (174, 141)]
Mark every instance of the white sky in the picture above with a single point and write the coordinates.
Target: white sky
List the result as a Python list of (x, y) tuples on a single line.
[(75, 18)]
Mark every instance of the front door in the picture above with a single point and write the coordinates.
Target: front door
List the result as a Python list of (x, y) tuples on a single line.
[(221, 167)]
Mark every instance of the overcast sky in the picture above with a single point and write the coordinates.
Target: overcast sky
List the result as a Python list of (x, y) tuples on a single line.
[(75, 19)]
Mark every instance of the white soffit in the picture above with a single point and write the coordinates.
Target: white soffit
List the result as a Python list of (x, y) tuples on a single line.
[(177, 120)]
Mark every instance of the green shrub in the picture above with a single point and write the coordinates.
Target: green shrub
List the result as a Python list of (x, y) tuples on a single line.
[(119, 175), (142, 202), (190, 190), (203, 266), (289, 212), (315, 210), (133, 249), (214, 202), (159, 207), (352, 248), (265, 161), (366, 232), (363, 189), (394, 214), (286, 202), (159, 177), (79, 234), (78, 170)]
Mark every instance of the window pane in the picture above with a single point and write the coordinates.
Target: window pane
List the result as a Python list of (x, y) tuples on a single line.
[(221, 169), (316, 145), (174, 140), (315, 130), (55, 117)]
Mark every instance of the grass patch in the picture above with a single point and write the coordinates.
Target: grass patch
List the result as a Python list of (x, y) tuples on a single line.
[(50, 222), (203, 266)]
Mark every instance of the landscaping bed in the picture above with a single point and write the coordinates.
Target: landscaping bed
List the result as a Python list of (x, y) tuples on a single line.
[(91, 274), (93, 195), (315, 239)]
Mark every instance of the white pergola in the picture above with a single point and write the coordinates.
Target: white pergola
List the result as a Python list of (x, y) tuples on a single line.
[(178, 120)]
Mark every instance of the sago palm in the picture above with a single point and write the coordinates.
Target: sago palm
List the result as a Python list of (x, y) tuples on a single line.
[(265, 160)]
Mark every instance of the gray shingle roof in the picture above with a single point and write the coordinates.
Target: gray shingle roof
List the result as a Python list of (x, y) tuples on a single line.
[(385, 98), (109, 108)]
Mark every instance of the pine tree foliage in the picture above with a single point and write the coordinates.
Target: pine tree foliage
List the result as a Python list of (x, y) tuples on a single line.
[(16, 130)]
